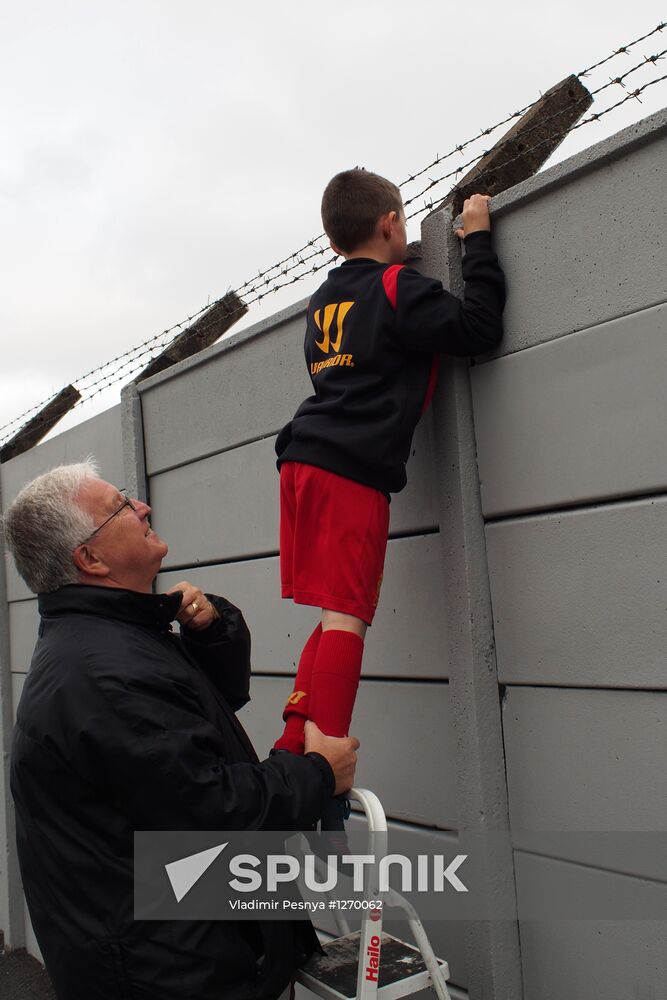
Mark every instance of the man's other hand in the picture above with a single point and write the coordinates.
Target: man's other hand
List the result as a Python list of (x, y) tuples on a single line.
[(196, 610), (339, 751)]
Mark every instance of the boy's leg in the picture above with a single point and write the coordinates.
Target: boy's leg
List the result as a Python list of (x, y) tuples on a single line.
[(333, 536), (297, 709), (335, 672), (334, 683), (326, 680)]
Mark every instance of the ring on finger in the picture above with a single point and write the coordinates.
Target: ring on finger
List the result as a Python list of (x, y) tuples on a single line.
[(194, 607)]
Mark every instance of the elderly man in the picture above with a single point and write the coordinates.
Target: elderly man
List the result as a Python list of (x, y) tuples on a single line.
[(124, 726)]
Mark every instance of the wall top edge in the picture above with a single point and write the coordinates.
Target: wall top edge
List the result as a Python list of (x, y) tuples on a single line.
[(230, 342), (641, 133)]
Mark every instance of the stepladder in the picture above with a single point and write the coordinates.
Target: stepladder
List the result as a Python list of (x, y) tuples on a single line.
[(369, 963)]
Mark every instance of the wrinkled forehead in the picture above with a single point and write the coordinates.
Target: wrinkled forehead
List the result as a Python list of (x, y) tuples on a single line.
[(98, 498)]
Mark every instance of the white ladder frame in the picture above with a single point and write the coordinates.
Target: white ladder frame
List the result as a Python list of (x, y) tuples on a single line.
[(371, 922)]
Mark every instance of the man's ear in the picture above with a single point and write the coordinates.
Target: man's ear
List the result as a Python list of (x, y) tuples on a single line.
[(88, 562)]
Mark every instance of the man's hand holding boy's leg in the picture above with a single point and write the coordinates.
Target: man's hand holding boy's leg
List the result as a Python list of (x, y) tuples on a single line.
[(339, 751)]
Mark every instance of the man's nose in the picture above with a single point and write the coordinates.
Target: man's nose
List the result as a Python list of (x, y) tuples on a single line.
[(142, 509)]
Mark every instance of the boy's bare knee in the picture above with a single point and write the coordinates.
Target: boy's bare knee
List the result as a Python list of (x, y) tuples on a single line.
[(345, 623)]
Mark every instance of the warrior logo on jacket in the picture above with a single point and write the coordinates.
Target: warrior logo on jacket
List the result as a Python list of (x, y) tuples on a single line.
[(324, 319), (332, 315)]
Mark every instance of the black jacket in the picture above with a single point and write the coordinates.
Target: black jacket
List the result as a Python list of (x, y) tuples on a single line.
[(371, 335), (124, 726)]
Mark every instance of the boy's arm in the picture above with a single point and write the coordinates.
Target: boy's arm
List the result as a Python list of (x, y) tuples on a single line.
[(430, 319)]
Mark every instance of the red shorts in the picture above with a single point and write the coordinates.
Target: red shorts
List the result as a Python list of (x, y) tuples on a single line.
[(333, 537)]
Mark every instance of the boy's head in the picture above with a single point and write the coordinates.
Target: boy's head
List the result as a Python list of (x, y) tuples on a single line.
[(359, 207)]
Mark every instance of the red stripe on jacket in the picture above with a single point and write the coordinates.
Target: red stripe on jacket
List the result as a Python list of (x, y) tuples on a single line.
[(390, 283)]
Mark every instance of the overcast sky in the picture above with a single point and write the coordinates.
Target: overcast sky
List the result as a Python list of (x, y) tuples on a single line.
[(157, 153)]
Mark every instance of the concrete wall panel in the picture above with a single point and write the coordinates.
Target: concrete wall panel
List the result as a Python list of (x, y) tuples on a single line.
[(585, 959), (223, 507), (563, 238), (586, 760), (31, 940), (99, 436), (244, 388), (548, 889), (226, 506), (395, 646), (23, 625), (404, 729), (552, 422), (18, 680), (16, 588), (580, 597)]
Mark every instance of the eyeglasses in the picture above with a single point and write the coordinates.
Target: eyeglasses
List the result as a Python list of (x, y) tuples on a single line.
[(126, 503)]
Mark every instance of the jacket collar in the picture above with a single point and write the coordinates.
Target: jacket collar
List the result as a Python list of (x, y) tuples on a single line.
[(150, 610), (355, 261)]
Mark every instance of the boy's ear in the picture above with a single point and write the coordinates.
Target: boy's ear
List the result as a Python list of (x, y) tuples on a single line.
[(386, 224), (88, 562), (336, 249)]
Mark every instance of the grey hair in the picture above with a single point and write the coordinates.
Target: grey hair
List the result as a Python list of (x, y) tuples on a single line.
[(45, 523)]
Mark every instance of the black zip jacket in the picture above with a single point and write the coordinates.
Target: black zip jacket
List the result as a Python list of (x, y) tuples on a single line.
[(124, 726), (372, 332)]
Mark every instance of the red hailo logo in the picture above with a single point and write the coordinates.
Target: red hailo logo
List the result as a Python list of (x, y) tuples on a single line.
[(373, 956)]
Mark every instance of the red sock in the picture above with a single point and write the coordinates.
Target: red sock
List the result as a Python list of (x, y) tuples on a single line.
[(335, 679), (297, 708)]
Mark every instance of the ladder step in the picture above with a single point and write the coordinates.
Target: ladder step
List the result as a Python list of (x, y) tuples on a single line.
[(334, 974)]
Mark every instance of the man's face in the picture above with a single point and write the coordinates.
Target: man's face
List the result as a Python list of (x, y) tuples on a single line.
[(128, 546)]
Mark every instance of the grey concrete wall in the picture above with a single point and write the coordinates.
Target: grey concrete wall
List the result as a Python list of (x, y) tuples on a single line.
[(568, 420), (515, 670)]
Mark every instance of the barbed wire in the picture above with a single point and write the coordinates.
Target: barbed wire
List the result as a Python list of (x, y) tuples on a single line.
[(139, 362), (622, 50), (293, 261), (595, 116), (163, 333), (633, 95), (297, 264), (619, 79), (143, 358), (242, 288), (457, 171), (288, 263), (299, 260)]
